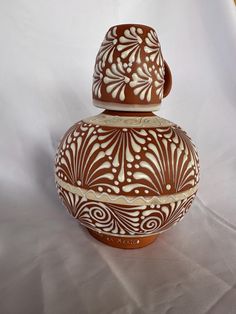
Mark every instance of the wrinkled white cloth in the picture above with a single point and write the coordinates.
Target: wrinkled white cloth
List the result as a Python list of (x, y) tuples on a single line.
[(48, 263)]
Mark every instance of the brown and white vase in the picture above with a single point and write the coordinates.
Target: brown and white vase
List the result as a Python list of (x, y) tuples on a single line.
[(128, 174)]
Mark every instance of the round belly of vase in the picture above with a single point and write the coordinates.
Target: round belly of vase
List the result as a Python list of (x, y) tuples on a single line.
[(127, 179)]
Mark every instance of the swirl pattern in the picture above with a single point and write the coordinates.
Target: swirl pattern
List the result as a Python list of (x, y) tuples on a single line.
[(124, 220)]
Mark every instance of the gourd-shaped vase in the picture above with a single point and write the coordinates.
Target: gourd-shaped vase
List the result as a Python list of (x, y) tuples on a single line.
[(127, 174)]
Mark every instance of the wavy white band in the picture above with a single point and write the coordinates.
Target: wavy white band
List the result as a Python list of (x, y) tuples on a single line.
[(125, 200), (128, 121)]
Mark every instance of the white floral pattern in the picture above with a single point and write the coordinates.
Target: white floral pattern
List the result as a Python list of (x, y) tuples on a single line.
[(130, 44), (142, 82), (116, 80), (153, 48), (129, 63), (97, 79), (108, 47), (159, 82), (125, 180)]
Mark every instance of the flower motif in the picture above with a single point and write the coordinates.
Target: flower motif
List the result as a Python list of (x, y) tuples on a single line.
[(108, 46), (153, 48), (97, 79), (142, 82), (130, 44), (116, 80), (159, 82)]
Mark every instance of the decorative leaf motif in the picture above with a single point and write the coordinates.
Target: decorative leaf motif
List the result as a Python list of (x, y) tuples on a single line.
[(142, 82), (130, 44), (116, 81), (114, 141), (108, 47), (97, 79), (152, 48), (107, 159), (160, 81)]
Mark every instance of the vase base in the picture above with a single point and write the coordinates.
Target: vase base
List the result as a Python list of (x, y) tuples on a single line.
[(123, 242)]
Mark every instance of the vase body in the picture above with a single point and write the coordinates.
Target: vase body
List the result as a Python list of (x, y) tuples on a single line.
[(127, 174), (127, 177)]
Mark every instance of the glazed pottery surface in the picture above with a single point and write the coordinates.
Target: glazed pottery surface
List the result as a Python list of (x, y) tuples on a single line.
[(127, 174)]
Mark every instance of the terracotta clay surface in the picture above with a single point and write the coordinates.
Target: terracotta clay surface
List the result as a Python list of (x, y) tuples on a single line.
[(123, 242), (127, 175)]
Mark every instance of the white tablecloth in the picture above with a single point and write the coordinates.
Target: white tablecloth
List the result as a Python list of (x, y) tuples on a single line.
[(48, 263)]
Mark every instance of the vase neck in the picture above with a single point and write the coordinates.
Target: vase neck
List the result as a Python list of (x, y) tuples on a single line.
[(129, 113)]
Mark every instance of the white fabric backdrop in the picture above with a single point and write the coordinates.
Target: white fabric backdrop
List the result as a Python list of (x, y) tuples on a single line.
[(49, 264)]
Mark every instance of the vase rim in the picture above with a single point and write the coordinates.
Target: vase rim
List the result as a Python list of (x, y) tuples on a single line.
[(132, 24)]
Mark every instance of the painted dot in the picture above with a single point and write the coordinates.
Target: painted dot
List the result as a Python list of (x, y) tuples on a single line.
[(65, 178), (139, 30), (150, 69), (79, 182), (129, 180), (136, 166), (159, 135), (126, 80), (137, 157), (67, 146), (158, 206), (114, 170), (153, 67), (128, 70), (82, 134), (142, 217), (125, 130), (116, 183), (94, 132), (136, 191), (147, 58), (146, 191), (110, 158), (125, 65), (149, 139), (129, 165), (144, 148), (100, 189), (168, 187), (129, 173), (152, 206), (109, 190)]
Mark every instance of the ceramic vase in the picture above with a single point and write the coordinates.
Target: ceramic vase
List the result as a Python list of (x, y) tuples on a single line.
[(127, 174)]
